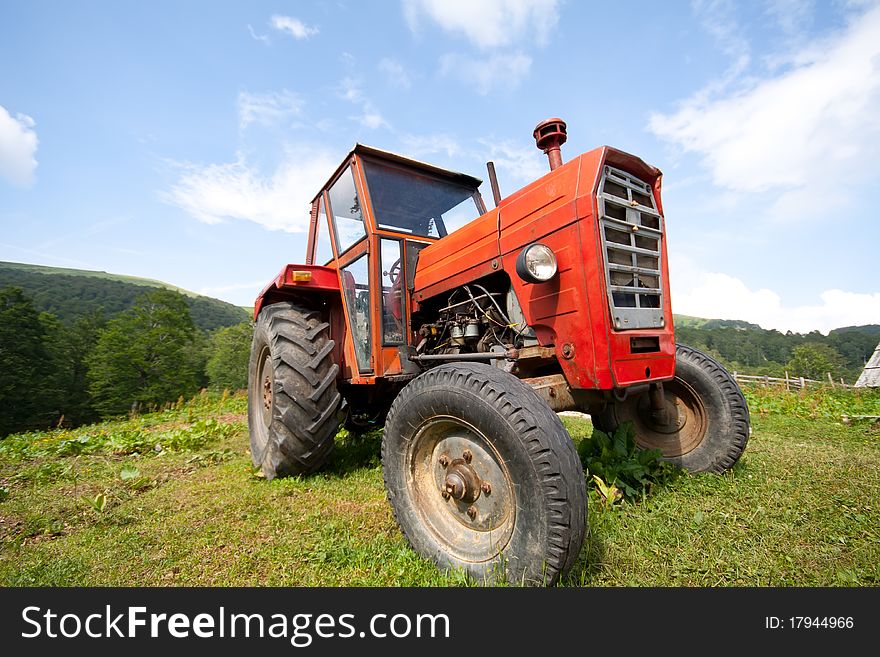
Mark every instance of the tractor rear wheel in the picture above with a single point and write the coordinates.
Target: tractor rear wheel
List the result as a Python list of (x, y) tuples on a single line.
[(701, 421), (482, 476), (292, 395)]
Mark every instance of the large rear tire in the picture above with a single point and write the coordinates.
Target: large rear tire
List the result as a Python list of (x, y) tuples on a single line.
[(482, 476), (292, 395), (705, 426)]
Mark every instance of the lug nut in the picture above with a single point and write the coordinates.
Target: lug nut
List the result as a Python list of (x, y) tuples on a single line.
[(444, 460), (467, 456), (486, 487), (472, 512)]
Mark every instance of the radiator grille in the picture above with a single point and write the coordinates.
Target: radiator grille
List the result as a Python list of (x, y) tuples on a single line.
[(631, 230)]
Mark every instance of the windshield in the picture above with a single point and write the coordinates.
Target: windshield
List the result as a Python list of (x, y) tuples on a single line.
[(418, 203)]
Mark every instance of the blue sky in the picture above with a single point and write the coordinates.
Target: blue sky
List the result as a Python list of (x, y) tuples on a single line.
[(183, 141)]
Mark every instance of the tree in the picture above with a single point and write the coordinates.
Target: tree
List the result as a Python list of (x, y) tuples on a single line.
[(144, 356), (70, 345), (812, 360), (25, 367), (230, 351)]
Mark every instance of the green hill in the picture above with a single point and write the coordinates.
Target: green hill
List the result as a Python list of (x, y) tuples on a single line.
[(873, 329), (687, 321), (750, 349), (71, 293)]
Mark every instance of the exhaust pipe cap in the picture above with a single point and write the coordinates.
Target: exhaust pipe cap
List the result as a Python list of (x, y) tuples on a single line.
[(549, 135)]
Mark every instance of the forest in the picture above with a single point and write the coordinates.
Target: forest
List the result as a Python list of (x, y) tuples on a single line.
[(750, 349), (66, 372)]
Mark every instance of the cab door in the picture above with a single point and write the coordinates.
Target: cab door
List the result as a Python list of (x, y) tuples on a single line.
[(351, 248), (373, 272)]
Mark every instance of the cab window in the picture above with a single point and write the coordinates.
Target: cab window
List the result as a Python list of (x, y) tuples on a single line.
[(348, 216), (356, 286), (323, 250)]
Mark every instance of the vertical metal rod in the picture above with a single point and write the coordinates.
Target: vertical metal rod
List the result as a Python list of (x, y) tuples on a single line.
[(493, 180)]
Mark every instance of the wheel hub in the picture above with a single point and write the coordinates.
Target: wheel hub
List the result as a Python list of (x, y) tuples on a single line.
[(462, 482), (267, 392), (671, 419), (464, 492), (667, 419), (263, 390)]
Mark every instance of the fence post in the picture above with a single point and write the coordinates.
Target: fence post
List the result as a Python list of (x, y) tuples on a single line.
[(830, 380), (803, 383), (766, 381), (787, 383), (734, 375), (842, 384)]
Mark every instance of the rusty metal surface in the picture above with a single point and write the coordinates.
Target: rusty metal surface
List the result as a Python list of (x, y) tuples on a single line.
[(671, 418), (462, 488), (555, 391)]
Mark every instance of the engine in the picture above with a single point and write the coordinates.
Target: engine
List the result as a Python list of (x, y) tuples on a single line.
[(475, 320)]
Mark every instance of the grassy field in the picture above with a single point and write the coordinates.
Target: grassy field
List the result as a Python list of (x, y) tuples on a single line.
[(171, 498)]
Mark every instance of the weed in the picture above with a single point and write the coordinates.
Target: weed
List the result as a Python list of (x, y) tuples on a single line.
[(98, 503), (619, 468), (825, 402)]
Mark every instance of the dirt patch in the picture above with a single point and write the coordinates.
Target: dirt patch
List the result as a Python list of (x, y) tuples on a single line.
[(225, 418), (8, 526), (231, 418)]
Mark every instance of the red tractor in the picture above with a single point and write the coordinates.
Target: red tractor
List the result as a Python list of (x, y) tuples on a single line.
[(464, 330)]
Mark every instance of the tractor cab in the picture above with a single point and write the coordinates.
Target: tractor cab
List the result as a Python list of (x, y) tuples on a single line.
[(369, 222)]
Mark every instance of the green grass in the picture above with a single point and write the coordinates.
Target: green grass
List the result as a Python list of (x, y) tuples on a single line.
[(801, 508)]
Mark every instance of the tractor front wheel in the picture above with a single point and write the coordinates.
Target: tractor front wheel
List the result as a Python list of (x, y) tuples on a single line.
[(292, 395), (483, 477), (699, 420)]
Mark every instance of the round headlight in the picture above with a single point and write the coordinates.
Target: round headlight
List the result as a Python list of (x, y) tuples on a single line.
[(536, 263)]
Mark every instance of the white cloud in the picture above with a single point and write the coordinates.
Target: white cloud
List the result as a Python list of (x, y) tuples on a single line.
[(234, 287), (792, 16), (514, 161), (269, 108), (214, 193), (422, 145), (350, 90), (719, 296), (488, 23), (805, 134), (18, 148), (370, 117), (257, 37), (504, 70), (293, 26), (395, 73)]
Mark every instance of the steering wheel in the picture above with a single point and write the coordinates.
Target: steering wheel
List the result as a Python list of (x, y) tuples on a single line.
[(393, 273)]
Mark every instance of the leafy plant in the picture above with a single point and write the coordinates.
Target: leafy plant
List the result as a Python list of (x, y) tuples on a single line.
[(618, 460), (129, 472), (609, 493), (98, 503)]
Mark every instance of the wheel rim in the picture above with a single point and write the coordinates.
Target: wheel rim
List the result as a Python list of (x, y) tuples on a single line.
[(264, 397), (461, 489), (685, 425)]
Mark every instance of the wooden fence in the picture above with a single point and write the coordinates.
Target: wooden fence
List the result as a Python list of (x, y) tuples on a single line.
[(789, 382)]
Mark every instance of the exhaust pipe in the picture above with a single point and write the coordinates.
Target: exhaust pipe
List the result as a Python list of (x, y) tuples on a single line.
[(493, 180), (549, 135)]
